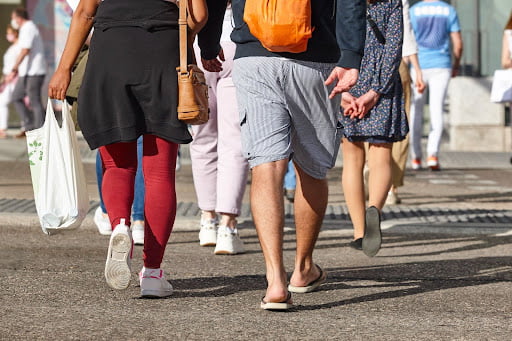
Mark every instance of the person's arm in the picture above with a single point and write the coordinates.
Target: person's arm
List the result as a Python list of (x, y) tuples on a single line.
[(208, 38), (81, 24), (506, 58), (197, 16), (386, 71), (409, 46), (350, 34), (19, 59), (457, 48), (420, 85)]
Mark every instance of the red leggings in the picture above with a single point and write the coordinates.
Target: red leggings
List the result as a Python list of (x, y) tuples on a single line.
[(159, 164)]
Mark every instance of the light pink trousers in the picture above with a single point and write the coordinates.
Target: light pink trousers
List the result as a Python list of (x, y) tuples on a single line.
[(218, 166)]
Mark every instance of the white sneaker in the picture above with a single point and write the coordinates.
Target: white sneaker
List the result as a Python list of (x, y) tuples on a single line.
[(138, 233), (117, 267), (153, 283), (228, 242), (208, 232), (102, 223), (393, 198)]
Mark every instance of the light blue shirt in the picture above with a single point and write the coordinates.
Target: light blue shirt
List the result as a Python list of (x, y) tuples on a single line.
[(432, 23)]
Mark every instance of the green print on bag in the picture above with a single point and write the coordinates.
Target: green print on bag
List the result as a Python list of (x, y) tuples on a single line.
[(35, 154)]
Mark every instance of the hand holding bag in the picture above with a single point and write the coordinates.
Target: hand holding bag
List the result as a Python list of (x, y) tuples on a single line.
[(58, 179), (502, 86), (192, 88)]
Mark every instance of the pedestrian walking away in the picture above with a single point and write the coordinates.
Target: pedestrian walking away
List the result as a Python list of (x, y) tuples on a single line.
[(373, 111), (127, 93), (435, 24), (288, 112), (506, 51), (8, 79), (30, 66), (219, 168), (400, 149)]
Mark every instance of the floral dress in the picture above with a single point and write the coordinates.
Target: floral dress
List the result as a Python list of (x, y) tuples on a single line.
[(386, 122)]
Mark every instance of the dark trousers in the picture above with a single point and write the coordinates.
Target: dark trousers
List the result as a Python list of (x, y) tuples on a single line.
[(33, 116)]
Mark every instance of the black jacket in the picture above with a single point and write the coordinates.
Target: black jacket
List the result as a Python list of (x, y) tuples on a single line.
[(338, 37)]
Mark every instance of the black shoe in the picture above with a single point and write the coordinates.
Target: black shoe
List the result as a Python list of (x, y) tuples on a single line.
[(372, 235), (356, 244)]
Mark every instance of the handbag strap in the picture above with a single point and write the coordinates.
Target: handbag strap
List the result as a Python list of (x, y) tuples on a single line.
[(375, 29), (182, 22)]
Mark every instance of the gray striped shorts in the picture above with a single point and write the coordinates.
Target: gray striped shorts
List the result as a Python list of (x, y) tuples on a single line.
[(285, 111)]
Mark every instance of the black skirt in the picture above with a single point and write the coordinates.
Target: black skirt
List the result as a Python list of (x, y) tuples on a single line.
[(130, 83)]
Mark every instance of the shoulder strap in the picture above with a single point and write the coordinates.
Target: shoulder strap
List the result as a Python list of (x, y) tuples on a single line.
[(182, 22), (375, 29)]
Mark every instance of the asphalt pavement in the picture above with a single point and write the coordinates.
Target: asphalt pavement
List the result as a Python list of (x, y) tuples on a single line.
[(444, 272)]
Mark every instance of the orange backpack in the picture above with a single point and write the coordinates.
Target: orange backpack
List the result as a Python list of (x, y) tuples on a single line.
[(280, 25)]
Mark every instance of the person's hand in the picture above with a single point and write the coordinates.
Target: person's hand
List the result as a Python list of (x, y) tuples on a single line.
[(420, 86), (364, 104), (214, 65), (348, 103), (10, 76), (455, 70), (345, 78), (59, 84)]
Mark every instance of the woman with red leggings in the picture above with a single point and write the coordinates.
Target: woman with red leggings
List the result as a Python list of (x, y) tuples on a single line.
[(128, 92)]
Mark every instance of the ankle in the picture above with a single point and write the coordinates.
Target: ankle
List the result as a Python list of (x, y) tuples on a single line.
[(228, 220), (208, 215)]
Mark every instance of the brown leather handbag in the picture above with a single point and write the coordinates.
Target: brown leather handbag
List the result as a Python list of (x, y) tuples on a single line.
[(192, 89)]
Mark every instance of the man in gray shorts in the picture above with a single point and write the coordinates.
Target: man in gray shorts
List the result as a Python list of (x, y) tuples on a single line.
[(288, 111)]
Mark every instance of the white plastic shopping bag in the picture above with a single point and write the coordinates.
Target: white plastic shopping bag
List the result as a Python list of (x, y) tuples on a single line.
[(501, 91), (60, 189)]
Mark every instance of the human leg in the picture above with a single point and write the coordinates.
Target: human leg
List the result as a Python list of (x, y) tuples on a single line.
[(267, 204), (120, 162), (100, 215), (232, 166), (232, 169), (310, 204), (379, 161), (204, 157), (18, 100), (34, 85), (290, 182), (416, 122), (5, 99), (266, 128), (315, 140), (159, 162), (138, 199), (353, 186), (400, 149), (439, 80)]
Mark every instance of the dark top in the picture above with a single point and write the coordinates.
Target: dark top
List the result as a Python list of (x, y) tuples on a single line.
[(130, 83), (386, 121), (338, 36)]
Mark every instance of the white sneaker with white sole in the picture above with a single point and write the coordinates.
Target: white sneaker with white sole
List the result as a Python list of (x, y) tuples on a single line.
[(153, 283), (208, 232), (117, 267), (138, 233), (228, 242), (102, 222)]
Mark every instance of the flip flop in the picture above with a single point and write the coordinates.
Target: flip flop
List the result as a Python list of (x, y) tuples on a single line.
[(284, 305), (372, 234), (312, 286)]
